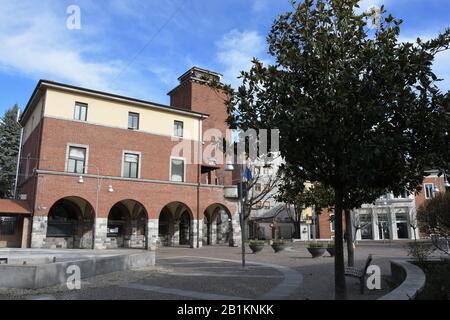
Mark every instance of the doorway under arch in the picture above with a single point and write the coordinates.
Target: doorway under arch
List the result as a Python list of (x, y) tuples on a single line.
[(70, 224), (218, 226), (127, 225), (176, 225)]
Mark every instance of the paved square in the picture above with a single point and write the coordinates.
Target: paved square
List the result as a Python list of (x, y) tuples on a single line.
[(212, 273)]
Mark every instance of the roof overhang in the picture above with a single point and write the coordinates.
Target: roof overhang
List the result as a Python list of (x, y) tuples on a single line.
[(17, 207)]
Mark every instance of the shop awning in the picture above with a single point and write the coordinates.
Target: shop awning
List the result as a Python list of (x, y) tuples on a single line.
[(14, 207)]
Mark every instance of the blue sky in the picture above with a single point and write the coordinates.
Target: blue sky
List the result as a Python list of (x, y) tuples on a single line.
[(139, 48)]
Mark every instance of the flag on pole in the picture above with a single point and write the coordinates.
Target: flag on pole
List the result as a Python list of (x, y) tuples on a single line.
[(247, 174)]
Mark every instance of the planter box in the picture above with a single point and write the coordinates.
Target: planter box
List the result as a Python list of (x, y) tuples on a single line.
[(316, 252), (278, 247), (331, 251), (256, 248)]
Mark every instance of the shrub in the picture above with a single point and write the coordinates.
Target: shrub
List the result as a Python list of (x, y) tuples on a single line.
[(279, 242), (420, 251), (315, 245), (257, 242), (330, 245)]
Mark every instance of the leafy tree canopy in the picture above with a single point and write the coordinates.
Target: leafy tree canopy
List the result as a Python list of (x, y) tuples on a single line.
[(358, 110)]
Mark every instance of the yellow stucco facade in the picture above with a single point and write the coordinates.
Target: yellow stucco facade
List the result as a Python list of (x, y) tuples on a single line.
[(60, 104)]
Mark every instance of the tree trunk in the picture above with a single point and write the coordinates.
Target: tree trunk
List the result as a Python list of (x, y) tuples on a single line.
[(349, 233), (339, 263), (297, 230)]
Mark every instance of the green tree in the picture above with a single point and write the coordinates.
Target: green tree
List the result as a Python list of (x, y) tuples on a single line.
[(9, 149), (356, 107)]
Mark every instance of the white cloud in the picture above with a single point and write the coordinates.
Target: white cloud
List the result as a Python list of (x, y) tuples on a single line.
[(367, 4), (260, 5), (36, 43), (236, 50)]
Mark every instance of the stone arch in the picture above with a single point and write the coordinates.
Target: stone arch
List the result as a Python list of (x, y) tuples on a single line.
[(70, 224), (218, 225), (127, 225), (176, 225)]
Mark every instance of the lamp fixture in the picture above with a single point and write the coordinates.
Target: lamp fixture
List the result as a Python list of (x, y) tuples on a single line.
[(80, 179), (229, 166), (110, 188)]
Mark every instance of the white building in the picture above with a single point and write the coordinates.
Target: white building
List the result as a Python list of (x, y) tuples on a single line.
[(389, 218)]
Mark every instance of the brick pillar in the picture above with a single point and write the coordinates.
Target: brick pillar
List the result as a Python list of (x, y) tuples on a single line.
[(101, 231), (25, 232), (152, 233), (38, 232)]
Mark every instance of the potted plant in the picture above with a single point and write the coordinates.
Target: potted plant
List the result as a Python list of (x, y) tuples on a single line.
[(330, 248), (316, 249), (256, 245), (278, 245)]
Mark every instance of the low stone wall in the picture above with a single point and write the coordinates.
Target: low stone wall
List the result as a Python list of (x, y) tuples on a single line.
[(412, 281), (50, 274)]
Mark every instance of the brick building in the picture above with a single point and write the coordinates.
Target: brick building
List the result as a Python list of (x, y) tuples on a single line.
[(107, 171)]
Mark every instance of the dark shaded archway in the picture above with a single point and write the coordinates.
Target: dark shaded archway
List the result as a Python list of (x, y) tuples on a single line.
[(176, 225), (217, 226), (70, 224), (127, 225)]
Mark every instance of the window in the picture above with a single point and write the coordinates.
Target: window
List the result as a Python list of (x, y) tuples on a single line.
[(7, 225), (258, 187), (133, 121), (131, 165), (267, 205), (429, 190), (77, 160), (332, 224), (178, 129), (80, 111), (177, 170)]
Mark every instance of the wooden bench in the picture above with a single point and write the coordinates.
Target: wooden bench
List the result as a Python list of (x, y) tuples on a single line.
[(359, 273)]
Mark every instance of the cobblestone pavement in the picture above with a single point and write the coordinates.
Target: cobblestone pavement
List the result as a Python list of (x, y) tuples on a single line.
[(216, 273)]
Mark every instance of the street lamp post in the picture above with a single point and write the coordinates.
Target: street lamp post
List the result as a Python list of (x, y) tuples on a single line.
[(110, 189), (230, 167)]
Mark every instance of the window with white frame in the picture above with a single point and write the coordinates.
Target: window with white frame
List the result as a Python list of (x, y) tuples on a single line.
[(178, 129), (177, 170), (429, 187), (80, 111), (131, 165), (76, 161), (133, 121)]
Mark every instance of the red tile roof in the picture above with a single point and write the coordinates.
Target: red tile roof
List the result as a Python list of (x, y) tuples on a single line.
[(14, 207)]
